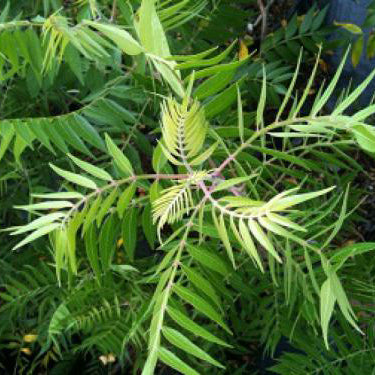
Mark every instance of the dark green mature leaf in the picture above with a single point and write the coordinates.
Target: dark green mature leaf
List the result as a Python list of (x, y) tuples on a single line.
[(173, 361), (208, 259), (201, 305), (179, 340), (79, 284), (193, 327), (129, 232)]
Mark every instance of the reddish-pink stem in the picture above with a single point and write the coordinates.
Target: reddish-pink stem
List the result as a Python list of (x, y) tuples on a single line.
[(233, 190), (221, 167)]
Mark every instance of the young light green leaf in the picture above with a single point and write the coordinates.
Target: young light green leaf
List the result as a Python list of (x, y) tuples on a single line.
[(220, 226), (208, 62), (240, 115), (154, 41), (61, 245), (119, 158), (342, 299), (91, 169), (38, 233), (150, 30), (293, 200), (225, 185), (158, 158), (327, 303), (125, 199), (106, 205), (365, 136), (329, 90), (61, 195), (204, 155), (351, 27), (343, 254), (238, 201), (354, 95), (75, 178), (169, 155), (262, 101), (290, 88), (262, 238), (50, 205), (285, 222), (309, 84), (249, 244), (277, 229), (90, 217), (170, 76), (38, 223), (120, 37)]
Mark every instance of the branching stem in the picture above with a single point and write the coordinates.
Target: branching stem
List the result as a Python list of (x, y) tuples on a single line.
[(168, 289), (257, 134)]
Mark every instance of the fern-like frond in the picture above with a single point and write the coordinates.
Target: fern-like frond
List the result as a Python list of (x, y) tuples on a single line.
[(184, 129), (71, 131), (31, 286), (253, 221), (331, 124), (175, 201), (76, 211), (308, 355), (101, 315), (58, 33), (285, 43)]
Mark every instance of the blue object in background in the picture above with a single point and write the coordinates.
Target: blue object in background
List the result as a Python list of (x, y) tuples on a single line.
[(352, 11)]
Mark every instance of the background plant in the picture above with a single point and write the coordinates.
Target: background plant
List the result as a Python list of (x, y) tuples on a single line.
[(230, 224)]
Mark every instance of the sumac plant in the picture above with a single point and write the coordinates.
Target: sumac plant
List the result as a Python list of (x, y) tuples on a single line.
[(226, 235)]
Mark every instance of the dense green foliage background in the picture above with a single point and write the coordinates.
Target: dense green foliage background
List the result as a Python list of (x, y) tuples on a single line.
[(177, 196)]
